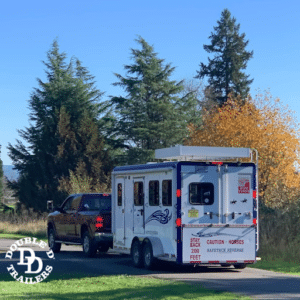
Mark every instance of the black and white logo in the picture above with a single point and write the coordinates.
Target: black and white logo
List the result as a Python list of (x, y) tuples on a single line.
[(30, 267)]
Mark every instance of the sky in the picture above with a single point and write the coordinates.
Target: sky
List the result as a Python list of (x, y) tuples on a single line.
[(101, 33)]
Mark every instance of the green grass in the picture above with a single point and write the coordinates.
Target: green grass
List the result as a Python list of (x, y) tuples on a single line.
[(16, 236), (109, 287), (278, 265)]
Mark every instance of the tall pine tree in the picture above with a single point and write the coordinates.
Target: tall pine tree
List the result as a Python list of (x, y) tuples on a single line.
[(152, 115), (69, 89), (224, 70)]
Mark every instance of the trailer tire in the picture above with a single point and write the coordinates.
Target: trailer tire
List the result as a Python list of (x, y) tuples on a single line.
[(136, 254), (240, 266), (148, 257)]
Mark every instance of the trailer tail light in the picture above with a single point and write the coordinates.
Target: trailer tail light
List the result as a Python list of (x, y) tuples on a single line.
[(254, 221), (105, 195), (178, 222), (99, 222), (254, 194), (217, 163), (178, 193)]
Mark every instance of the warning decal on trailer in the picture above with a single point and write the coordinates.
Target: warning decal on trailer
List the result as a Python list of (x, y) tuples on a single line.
[(244, 185)]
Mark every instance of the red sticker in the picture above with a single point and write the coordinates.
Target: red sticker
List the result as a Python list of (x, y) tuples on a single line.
[(244, 186)]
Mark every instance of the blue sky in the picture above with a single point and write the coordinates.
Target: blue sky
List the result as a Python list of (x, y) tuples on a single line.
[(101, 33)]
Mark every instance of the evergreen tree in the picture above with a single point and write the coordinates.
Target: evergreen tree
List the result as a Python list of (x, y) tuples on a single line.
[(69, 88), (224, 70), (152, 115)]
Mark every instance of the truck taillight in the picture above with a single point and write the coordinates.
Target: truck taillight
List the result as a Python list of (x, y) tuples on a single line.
[(99, 222), (254, 221), (254, 194)]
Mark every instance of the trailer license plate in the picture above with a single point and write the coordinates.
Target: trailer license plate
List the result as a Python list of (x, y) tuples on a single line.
[(193, 213)]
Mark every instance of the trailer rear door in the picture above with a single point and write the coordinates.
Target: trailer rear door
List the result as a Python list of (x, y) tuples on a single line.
[(217, 213)]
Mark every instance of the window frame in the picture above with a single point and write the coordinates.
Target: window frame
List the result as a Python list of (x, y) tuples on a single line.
[(170, 192), (155, 193), (119, 203), (140, 193), (212, 190)]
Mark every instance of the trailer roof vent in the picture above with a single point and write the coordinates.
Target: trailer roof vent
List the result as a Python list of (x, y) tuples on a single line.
[(186, 153)]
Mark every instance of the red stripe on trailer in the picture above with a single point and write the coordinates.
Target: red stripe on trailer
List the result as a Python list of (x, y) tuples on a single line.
[(231, 261), (195, 262), (213, 261)]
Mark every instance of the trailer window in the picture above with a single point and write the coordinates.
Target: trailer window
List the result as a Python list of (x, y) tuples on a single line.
[(167, 192), (119, 194), (154, 193), (201, 193), (138, 193)]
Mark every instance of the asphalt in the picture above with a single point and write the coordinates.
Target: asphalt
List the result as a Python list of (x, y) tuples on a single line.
[(255, 283)]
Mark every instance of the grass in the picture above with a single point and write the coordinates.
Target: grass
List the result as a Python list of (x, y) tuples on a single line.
[(110, 287), (278, 266), (35, 228), (279, 259)]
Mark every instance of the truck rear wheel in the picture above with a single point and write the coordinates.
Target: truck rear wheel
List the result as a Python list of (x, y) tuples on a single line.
[(55, 247), (148, 258), (88, 246), (136, 254)]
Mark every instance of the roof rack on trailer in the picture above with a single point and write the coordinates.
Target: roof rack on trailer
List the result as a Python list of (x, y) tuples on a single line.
[(195, 153)]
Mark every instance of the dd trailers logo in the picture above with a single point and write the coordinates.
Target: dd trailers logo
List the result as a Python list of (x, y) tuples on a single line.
[(32, 264)]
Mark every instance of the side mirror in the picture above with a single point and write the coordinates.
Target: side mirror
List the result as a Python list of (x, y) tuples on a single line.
[(50, 205)]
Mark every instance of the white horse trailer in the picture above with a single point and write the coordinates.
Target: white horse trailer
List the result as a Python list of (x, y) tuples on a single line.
[(200, 207)]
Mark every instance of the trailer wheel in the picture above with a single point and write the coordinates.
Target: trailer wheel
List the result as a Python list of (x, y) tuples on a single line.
[(148, 258), (136, 254), (239, 266)]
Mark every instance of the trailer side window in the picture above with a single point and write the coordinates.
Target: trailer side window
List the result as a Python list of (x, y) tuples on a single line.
[(201, 193), (119, 194), (167, 192), (138, 193), (154, 192)]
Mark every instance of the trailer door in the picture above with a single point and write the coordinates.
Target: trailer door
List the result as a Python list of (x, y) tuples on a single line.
[(201, 194), (139, 206), (120, 211), (217, 208)]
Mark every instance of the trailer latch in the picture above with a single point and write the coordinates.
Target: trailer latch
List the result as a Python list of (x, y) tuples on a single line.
[(210, 214)]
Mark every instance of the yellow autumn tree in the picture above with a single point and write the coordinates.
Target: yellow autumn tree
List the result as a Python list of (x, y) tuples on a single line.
[(262, 123)]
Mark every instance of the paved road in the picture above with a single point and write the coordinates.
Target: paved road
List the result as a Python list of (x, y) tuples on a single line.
[(258, 284)]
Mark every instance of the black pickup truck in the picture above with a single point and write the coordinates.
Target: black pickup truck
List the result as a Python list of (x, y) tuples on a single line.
[(82, 219)]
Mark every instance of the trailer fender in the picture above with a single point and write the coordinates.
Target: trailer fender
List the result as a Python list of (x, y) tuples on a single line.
[(157, 246)]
